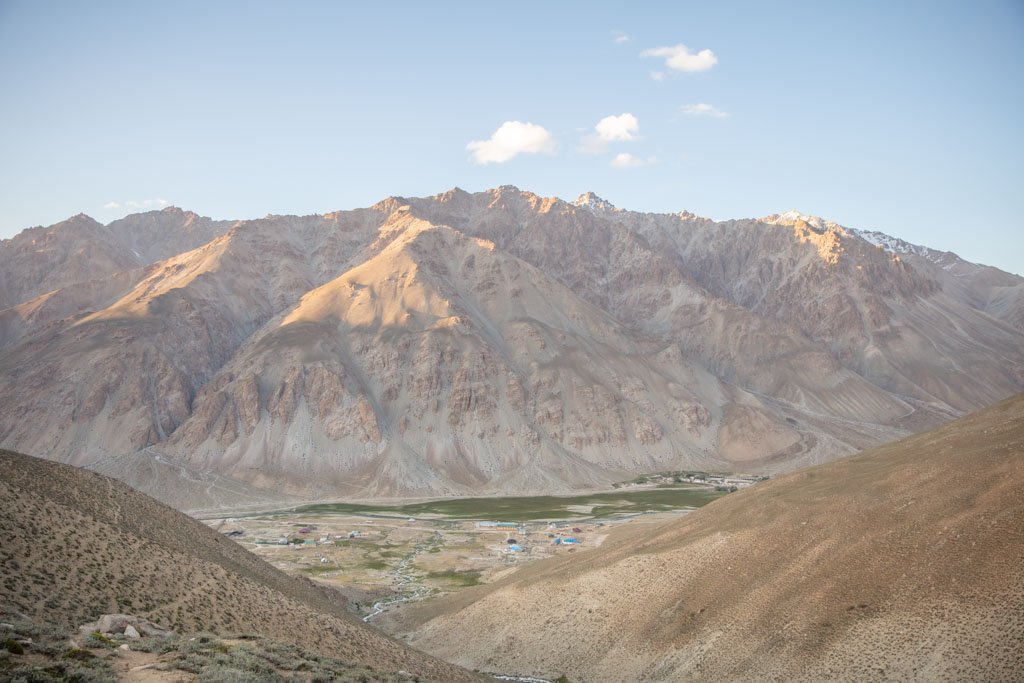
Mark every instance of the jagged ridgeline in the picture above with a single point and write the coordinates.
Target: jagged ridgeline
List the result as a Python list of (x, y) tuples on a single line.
[(497, 342)]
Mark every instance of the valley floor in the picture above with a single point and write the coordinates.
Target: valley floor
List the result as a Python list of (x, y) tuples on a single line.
[(379, 557)]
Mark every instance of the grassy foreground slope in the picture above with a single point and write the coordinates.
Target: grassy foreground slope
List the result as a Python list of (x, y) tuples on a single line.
[(77, 544), (904, 562)]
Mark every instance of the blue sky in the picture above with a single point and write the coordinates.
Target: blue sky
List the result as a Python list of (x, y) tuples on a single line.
[(903, 117)]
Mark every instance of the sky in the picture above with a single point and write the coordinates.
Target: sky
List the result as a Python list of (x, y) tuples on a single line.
[(903, 117)]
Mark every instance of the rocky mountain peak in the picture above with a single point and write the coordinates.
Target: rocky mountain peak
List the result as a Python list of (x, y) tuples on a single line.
[(796, 218), (454, 194), (589, 200), (76, 222), (386, 205)]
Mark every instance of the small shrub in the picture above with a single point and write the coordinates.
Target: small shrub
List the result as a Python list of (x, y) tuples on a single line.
[(97, 639), (14, 647), (145, 645), (78, 654), (191, 663)]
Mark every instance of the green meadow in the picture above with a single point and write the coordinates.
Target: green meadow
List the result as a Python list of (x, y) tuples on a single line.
[(534, 508)]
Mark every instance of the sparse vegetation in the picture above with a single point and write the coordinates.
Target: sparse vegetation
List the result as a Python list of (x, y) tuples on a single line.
[(41, 654), (97, 639), (77, 545), (528, 508), (457, 578), (254, 660)]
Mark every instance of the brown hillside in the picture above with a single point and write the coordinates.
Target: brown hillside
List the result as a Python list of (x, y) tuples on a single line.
[(77, 545), (904, 562)]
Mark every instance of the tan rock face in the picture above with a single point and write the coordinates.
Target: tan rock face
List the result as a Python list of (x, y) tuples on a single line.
[(486, 342), (693, 416)]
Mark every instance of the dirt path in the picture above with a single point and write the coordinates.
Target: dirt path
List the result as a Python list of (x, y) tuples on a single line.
[(140, 667)]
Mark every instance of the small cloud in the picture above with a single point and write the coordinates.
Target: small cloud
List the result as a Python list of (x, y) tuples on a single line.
[(657, 76), (620, 38), (146, 203), (703, 109), (621, 128), (510, 140), (627, 160), (137, 204), (681, 58)]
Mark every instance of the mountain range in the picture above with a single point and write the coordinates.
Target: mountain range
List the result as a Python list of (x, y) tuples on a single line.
[(494, 342)]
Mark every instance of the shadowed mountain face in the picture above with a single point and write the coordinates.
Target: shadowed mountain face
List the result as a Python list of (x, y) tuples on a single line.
[(489, 342), (900, 563), (78, 545)]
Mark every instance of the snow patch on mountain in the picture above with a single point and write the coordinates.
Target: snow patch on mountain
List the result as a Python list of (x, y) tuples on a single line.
[(792, 217), (589, 200), (894, 245)]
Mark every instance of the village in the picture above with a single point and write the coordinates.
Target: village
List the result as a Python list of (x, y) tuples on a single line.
[(379, 561), (379, 557), (721, 482)]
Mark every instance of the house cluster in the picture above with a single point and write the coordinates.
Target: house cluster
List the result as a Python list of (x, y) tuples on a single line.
[(720, 482), (569, 537), (732, 483), (305, 539)]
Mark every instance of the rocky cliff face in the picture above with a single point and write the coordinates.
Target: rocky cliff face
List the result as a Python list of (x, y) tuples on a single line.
[(488, 342)]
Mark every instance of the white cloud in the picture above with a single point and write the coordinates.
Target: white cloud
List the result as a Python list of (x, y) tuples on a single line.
[(138, 204), (621, 128), (146, 203), (658, 75), (616, 128), (627, 160), (510, 140), (681, 58), (703, 109), (620, 38)]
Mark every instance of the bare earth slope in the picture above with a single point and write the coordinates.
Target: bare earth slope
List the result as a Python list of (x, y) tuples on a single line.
[(80, 250), (489, 342), (901, 563), (77, 545)]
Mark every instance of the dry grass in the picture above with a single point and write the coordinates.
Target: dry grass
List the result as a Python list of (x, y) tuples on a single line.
[(901, 563), (33, 654), (77, 545)]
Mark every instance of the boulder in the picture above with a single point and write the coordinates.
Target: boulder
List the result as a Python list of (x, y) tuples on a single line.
[(124, 624)]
